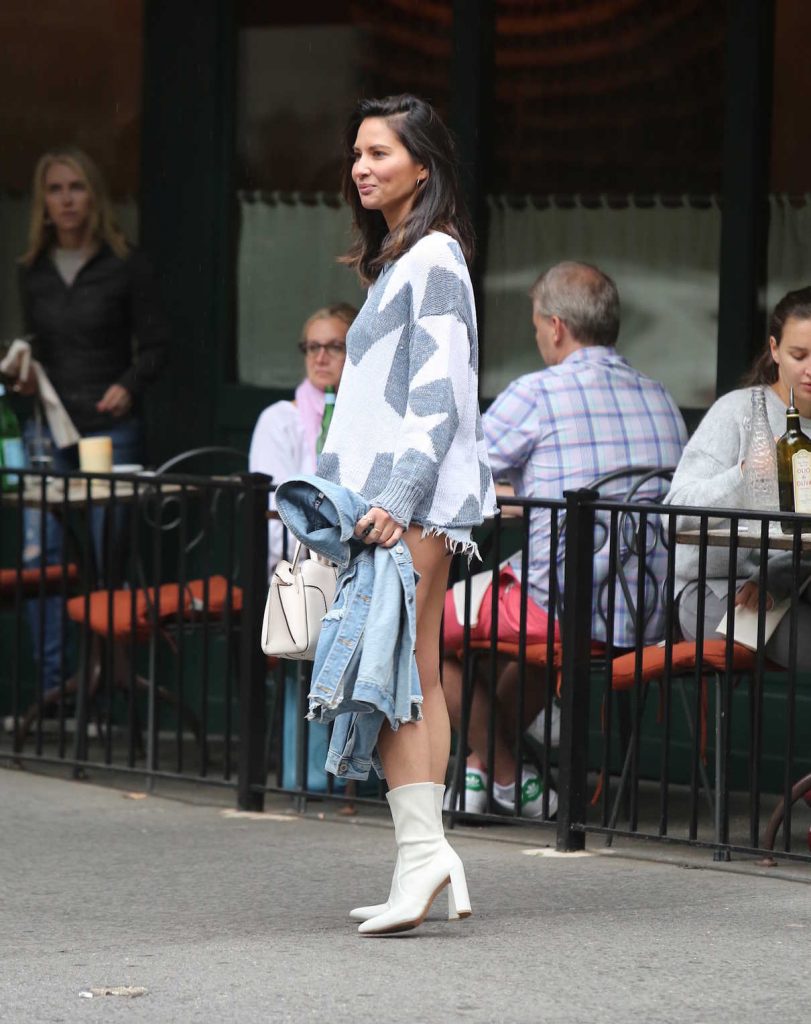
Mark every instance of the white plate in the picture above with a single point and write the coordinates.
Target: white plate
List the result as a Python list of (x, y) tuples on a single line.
[(128, 467)]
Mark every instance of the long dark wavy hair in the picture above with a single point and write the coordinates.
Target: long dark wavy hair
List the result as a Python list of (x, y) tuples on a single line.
[(438, 205), (795, 304)]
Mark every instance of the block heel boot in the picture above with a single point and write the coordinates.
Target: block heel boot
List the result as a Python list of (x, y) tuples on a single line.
[(426, 863), (364, 913)]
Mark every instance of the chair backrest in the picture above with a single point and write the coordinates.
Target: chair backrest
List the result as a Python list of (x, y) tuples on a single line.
[(208, 459), (195, 524), (639, 485), (646, 485)]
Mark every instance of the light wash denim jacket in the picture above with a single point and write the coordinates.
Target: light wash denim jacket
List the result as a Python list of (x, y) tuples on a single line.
[(364, 670)]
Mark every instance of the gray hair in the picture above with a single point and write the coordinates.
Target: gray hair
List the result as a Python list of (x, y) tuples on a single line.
[(584, 298)]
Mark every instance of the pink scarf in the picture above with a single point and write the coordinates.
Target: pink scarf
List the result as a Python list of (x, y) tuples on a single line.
[(310, 405)]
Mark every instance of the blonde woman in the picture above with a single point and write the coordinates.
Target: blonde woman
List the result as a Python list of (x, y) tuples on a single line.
[(86, 294), (285, 438)]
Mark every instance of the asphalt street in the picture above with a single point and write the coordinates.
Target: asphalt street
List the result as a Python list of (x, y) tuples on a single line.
[(219, 917)]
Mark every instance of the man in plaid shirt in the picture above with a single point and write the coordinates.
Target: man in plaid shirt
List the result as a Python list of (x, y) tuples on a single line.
[(587, 414)]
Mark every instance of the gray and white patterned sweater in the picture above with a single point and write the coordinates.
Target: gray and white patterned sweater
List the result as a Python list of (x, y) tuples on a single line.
[(406, 433)]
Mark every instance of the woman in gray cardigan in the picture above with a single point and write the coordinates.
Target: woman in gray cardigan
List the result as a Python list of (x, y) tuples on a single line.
[(710, 474)]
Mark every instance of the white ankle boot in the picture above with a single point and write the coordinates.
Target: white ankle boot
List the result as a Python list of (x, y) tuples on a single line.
[(426, 863), (364, 913)]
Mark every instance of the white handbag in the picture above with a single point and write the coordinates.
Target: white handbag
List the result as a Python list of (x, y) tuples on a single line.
[(301, 593)]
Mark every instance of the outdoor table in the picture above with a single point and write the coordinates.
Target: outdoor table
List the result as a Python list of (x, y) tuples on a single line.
[(81, 496), (80, 492), (719, 538)]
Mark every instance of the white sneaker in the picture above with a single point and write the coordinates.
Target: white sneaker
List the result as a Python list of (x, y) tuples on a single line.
[(532, 790), (475, 793), (536, 726)]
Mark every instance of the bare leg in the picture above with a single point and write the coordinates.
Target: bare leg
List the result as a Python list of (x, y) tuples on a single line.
[(418, 751), (534, 696), (503, 716)]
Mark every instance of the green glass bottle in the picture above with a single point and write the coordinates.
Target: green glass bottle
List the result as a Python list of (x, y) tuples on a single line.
[(12, 455), (326, 419), (794, 467)]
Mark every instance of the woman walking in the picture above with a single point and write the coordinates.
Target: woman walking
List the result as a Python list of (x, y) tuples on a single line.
[(406, 436)]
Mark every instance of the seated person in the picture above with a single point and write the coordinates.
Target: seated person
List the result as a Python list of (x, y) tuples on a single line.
[(710, 474), (286, 437), (286, 441), (588, 413)]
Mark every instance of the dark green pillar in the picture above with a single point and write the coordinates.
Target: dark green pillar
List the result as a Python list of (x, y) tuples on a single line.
[(186, 207), (471, 117), (745, 187)]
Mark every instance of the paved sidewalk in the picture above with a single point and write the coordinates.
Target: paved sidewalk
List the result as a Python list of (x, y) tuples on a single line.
[(224, 918)]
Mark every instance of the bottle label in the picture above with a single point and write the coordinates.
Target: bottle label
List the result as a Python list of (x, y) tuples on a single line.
[(801, 475), (13, 457)]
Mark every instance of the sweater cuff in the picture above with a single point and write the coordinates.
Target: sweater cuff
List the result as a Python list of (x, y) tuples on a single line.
[(399, 498)]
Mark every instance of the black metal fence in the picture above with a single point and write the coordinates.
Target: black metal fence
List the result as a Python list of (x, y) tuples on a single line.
[(157, 598), (132, 642), (666, 735)]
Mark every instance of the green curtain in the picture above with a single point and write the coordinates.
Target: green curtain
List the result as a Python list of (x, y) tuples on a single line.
[(663, 256), (663, 259), (286, 269)]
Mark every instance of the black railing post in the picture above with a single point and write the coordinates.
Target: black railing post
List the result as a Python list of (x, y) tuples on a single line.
[(253, 664), (576, 666)]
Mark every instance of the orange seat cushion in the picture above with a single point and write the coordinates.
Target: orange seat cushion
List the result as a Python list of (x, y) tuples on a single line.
[(98, 618), (29, 580), (167, 603), (623, 673), (537, 654)]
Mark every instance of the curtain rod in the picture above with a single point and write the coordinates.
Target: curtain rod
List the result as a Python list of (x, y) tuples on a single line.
[(515, 201)]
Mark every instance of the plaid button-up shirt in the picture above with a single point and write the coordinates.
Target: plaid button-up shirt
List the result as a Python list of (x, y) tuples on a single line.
[(564, 427)]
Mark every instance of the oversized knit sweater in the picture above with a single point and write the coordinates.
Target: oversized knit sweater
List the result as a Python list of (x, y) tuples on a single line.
[(406, 432), (709, 474)]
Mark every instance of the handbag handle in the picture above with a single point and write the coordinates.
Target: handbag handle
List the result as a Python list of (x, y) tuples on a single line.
[(296, 556)]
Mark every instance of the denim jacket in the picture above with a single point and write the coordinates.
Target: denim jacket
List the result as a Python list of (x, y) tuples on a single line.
[(364, 671)]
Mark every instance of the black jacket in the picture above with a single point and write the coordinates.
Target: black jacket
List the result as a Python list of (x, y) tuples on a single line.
[(106, 328)]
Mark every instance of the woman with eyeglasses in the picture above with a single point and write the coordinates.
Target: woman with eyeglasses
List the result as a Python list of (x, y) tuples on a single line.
[(286, 436)]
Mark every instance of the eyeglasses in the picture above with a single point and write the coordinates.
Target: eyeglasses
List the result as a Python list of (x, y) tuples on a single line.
[(314, 348)]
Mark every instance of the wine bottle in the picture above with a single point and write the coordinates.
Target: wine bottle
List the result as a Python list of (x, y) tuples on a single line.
[(326, 419), (760, 464), (12, 455), (794, 467)]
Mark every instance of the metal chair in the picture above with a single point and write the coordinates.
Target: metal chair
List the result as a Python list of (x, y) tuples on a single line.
[(645, 484), (175, 533)]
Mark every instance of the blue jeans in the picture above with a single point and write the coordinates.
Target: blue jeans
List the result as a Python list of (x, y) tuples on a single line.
[(127, 438)]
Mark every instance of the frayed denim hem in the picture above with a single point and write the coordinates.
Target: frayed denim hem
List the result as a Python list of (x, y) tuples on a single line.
[(324, 712), (351, 767)]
